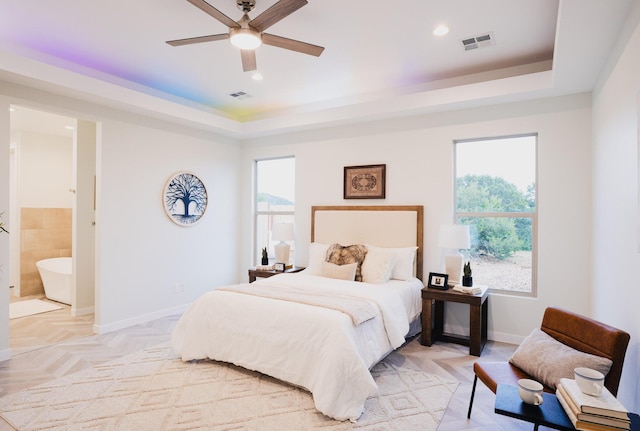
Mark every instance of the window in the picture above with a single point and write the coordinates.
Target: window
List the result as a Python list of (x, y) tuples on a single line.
[(275, 201), (495, 195)]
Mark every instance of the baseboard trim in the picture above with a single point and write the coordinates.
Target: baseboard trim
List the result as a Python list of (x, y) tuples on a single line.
[(491, 335), (5, 355), (505, 338), (143, 318)]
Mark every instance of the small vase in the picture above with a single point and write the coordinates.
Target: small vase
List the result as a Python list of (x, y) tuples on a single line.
[(265, 261), (467, 281)]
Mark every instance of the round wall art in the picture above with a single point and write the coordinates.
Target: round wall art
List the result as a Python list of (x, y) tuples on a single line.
[(185, 198)]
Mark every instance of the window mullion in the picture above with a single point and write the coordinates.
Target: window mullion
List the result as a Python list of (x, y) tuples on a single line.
[(461, 214)]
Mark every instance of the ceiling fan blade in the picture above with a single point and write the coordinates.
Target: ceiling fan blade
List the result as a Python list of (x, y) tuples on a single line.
[(275, 13), (293, 45), (207, 8), (248, 60), (198, 39)]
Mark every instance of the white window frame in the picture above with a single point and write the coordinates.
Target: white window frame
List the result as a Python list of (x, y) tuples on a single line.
[(255, 260), (458, 215)]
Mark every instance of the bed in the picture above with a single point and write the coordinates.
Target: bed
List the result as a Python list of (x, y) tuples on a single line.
[(314, 329)]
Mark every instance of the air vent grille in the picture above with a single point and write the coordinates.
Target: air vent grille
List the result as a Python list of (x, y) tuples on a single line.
[(479, 41), (239, 95)]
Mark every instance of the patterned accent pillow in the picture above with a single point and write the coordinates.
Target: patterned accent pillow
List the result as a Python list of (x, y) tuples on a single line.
[(341, 255)]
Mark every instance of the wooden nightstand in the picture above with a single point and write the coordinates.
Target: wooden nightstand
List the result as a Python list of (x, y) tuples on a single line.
[(255, 273), (433, 301)]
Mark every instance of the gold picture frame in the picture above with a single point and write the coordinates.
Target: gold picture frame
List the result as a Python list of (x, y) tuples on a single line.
[(365, 182)]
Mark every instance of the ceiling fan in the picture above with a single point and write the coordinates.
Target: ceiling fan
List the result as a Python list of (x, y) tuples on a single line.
[(247, 34)]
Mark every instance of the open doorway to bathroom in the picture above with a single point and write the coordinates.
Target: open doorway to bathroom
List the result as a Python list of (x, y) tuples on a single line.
[(52, 209)]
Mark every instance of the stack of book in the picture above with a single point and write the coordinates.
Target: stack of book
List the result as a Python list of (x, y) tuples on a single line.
[(476, 290), (590, 413)]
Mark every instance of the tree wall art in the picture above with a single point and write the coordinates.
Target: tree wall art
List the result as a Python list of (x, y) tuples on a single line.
[(185, 198)]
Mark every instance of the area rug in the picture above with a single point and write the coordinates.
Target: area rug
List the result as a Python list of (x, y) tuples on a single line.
[(153, 390), (30, 307)]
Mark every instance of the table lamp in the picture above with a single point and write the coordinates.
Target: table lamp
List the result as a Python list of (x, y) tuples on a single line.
[(454, 237), (282, 232)]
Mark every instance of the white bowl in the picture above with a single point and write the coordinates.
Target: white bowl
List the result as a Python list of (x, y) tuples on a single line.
[(589, 381)]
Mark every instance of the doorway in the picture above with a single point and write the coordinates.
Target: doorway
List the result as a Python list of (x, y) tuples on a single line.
[(52, 209)]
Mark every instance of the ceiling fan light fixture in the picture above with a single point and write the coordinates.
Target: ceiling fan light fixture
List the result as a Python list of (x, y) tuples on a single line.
[(245, 38)]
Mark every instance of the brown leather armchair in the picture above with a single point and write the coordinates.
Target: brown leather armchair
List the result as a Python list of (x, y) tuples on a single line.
[(574, 330)]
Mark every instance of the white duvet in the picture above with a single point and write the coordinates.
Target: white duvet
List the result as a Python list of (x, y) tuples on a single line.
[(316, 348)]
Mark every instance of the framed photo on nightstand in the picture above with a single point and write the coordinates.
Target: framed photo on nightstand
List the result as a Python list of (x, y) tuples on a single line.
[(438, 281)]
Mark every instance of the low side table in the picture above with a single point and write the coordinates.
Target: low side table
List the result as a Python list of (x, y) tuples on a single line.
[(264, 273), (550, 414), (433, 318)]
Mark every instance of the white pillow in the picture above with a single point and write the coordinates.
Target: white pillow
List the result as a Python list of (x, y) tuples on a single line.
[(403, 269), (317, 255), (378, 265), (341, 272)]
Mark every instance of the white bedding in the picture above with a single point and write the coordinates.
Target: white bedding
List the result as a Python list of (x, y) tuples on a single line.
[(313, 347)]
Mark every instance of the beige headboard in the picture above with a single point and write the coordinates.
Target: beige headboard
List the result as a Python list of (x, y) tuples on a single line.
[(384, 226)]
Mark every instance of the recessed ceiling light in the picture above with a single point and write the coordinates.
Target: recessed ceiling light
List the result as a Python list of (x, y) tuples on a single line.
[(69, 127), (12, 109), (257, 76), (441, 30)]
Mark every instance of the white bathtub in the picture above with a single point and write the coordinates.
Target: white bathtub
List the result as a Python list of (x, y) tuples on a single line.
[(56, 278)]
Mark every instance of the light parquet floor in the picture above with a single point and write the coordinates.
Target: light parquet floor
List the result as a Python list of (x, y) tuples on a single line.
[(36, 365), (45, 329)]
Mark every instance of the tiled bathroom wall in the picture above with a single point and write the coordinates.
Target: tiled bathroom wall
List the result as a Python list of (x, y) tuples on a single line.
[(44, 233)]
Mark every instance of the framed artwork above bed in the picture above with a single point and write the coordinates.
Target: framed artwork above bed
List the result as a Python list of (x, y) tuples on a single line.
[(392, 226), (365, 182)]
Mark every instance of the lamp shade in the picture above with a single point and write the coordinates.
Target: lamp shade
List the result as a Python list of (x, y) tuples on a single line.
[(282, 232), (454, 236)]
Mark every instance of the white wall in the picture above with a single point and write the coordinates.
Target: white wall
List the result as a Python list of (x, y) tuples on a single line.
[(419, 157), (45, 171), (142, 255), (616, 212)]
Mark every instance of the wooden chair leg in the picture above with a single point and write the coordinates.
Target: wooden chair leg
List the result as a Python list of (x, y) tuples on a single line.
[(473, 393)]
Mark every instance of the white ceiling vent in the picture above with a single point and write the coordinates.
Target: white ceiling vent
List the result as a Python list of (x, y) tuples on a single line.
[(480, 41), (239, 95)]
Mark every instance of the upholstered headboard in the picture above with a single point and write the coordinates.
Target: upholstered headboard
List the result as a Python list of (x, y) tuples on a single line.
[(383, 226)]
